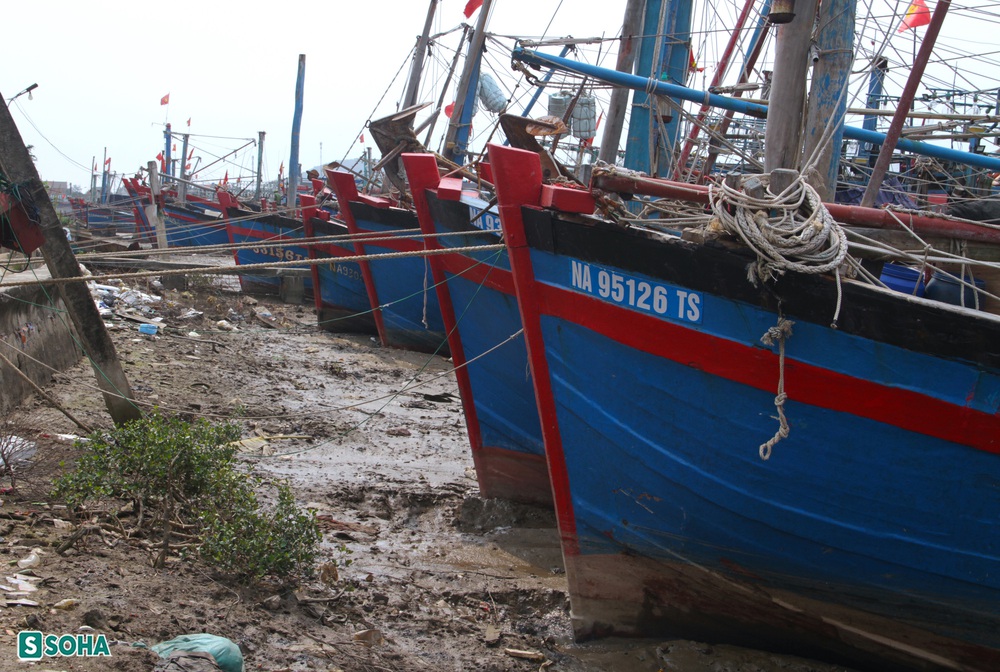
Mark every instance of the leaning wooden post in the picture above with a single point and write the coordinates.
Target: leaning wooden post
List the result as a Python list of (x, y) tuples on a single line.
[(16, 164)]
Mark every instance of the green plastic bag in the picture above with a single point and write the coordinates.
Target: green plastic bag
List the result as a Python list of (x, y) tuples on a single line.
[(226, 653)]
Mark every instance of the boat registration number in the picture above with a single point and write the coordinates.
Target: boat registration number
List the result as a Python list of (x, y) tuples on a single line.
[(624, 290), (486, 220)]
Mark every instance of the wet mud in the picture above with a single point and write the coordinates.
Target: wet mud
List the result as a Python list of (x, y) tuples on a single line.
[(418, 571)]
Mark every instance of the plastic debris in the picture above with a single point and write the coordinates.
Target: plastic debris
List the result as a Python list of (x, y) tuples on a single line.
[(226, 653), (369, 637), (33, 559)]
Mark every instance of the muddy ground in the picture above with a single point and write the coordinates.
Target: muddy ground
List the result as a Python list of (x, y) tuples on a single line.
[(429, 575)]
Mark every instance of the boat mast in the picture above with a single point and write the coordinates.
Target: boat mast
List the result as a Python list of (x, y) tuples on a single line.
[(905, 100), (783, 133), (182, 183), (444, 89), (720, 72), (294, 170), (749, 63), (747, 107), (260, 164), (104, 178), (615, 122), (873, 102), (457, 140), (664, 54), (168, 165), (833, 58), (419, 51)]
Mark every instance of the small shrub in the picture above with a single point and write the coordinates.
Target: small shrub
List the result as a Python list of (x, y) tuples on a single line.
[(250, 542), (147, 460), (174, 470)]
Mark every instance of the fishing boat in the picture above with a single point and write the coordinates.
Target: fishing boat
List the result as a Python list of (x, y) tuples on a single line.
[(108, 219), (746, 445), (193, 222), (400, 289), (476, 292), (257, 236), (339, 293), (665, 380)]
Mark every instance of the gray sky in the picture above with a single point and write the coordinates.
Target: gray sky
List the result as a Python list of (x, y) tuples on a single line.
[(102, 68)]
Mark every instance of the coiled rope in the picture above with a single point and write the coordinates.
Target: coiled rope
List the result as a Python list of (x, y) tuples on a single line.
[(788, 231)]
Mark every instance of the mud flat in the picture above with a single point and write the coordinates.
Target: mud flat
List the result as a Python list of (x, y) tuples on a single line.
[(428, 576)]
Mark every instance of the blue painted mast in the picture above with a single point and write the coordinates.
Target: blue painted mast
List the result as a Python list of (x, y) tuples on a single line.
[(456, 142), (104, 178), (874, 102), (294, 170), (828, 98), (664, 54), (167, 163), (742, 106)]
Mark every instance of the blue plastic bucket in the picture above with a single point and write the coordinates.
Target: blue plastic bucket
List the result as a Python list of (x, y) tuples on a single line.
[(902, 279), (947, 289)]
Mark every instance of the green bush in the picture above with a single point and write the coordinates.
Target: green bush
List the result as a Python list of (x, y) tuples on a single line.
[(250, 542), (149, 459), (172, 470)]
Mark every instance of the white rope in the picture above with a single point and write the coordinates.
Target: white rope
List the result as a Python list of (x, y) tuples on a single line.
[(788, 231), (780, 333)]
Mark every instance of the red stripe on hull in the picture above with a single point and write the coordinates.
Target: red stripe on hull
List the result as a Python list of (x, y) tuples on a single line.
[(758, 367)]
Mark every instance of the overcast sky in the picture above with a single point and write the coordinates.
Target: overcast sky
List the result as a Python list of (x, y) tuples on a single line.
[(102, 68)]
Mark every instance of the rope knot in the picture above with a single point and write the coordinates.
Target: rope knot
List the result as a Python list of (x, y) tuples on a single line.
[(779, 333)]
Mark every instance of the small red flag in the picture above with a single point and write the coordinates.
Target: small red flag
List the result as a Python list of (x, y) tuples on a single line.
[(191, 153), (448, 109), (362, 140), (471, 6), (165, 100), (189, 121), (159, 157), (225, 180), (917, 15), (107, 161)]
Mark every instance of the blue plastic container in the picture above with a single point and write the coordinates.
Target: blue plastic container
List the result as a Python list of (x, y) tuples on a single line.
[(902, 279), (148, 329), (947, 289)]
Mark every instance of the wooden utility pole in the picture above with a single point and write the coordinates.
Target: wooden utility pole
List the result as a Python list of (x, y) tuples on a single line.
[(16, 164)]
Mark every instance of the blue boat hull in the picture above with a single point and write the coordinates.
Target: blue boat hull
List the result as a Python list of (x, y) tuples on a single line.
[(341, 299), (479, 307), (869, 537), (190, 227), (400, 290), (268, 236)]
